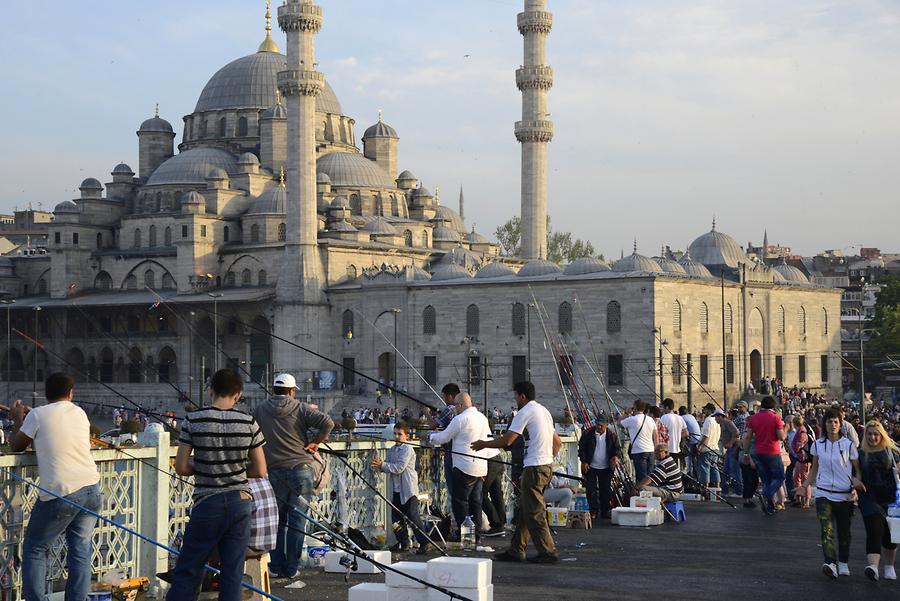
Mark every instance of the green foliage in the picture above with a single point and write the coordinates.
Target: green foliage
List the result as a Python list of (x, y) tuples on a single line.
[(509, 235), (887, 319), (562, 247)]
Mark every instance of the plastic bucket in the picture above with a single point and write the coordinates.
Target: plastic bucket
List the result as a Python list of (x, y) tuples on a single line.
[(894, 525), (100, 596)]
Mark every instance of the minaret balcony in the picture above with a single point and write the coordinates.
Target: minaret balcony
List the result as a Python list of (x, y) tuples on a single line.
[(535, 21), (300, 82), (300, 16), (534, 131), (534, 78)]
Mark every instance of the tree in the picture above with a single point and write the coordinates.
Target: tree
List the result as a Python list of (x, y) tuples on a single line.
[(886, 322), (562, 247)]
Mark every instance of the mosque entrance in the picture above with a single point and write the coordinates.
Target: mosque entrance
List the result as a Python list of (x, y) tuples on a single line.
[(755, 368), (386, 368)]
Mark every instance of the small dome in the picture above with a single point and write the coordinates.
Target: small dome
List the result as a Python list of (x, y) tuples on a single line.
[(538, 267), (670, 266), (322, 178), (340, 202), (585, 265), (406, 176), (381, 130), (353, 169), (216, 173), (192, 166), (448, 215), (66, 206), (421, 192), (380, 227), (474, 237), (276, 111), (271, 202), (449, 271), (341, 226), (122, 169), (693, 268), (461, 256), (495, 270), (91, 183), (156, 124), (192, 198), (636, 262), (248, 158), (717, 249), (419, 274), (791, 274), (777, 277), (443, 233)]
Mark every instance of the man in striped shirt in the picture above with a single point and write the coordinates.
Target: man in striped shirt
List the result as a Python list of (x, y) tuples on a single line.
[(220, 447), (665, 479)]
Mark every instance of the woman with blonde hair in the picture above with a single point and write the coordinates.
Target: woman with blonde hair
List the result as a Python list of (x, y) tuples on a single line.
[(878, 460)]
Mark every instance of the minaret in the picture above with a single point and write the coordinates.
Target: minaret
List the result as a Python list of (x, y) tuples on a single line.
[(299, 288), (462, 204), (535, 130)]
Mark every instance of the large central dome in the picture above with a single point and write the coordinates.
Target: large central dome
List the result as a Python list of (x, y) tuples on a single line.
[(250, 82)]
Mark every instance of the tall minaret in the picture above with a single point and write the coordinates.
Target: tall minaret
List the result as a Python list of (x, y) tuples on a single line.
[(535, 130), (462, 204), (300, 281)]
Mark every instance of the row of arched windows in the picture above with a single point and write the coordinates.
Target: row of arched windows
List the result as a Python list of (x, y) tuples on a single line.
[(241, 131), (151, 237), (703, 319), (258, 232), (262, 278), (104, 281)]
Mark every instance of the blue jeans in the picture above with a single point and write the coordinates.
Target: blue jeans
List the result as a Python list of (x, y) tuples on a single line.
[(411, 510), (733, 471), (289, 485), (221, 522), (708, 469), (48, 520), (467, 499), (771, 472), (643, 465)]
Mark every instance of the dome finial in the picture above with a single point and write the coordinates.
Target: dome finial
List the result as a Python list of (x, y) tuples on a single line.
[(635, 246), (268, 44), (281, 177), (379, 116), (277, 96), (714, 223), (156, 112)]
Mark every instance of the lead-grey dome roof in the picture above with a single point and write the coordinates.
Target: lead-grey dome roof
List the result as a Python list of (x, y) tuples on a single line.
[(340, 202), (717, 249), (692, 267), (271, 202), (538, 267), (122, 169), (379, 226), (353, 169), (449, 271), (419, 274), (248, 158), (192, 167), (381, 130), (156, 124), (66, 206), (443, 213), (442, 233), (585, 265), (636, 262), (791, 274), (406, 175), (192, 198), (494, 270), (670, 266), (250, 82), (474, 237), (91, 183)]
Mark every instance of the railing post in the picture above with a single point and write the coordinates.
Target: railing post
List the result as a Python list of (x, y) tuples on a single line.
[(153, 518)]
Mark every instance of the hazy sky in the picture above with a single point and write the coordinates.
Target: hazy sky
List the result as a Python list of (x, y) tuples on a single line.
[(767, 114)]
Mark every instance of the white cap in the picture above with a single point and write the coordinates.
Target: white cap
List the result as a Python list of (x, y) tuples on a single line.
[(285, 381)]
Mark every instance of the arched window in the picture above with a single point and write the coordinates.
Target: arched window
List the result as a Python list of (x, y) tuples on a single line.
[(151, 238), (42, 286), (704, 318), (168, 282), (242, 127), (472, 321), (282, 232), (801, 320), (230, 279), (226, 233), (407, 237), (565, 318), (613, 317), (429, 321), (246, 278), (99, 240), (379, 206), (167, 237), (676, 317), (729, 319), (137, 237), (103, 281), (395, 207), (254, 233), (222, 125), (425, 239), (130, 283), (824, 321), (203, 128), (347, 324), (150, 279), (518, 319), (355, 205), (352, 272), (780, 321), (262, 278)]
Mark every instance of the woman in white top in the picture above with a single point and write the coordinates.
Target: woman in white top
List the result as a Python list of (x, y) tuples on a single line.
[(835, 458)]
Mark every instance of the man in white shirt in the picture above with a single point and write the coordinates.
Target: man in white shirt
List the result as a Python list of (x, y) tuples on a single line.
[(60, 434), (642, 432), (599, 450), (677, 429), (543, 445), (469, 469), (707, 448)]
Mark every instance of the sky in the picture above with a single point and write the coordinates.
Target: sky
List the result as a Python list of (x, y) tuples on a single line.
[(767, 115)]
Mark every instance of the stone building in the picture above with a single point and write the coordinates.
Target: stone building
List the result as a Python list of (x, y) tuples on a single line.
[(271, 219)]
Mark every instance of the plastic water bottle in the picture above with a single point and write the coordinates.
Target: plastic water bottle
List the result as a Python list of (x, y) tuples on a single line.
[(304, 556), (467, 534)]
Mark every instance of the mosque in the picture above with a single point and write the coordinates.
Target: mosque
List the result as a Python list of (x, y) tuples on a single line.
[(270, 218)]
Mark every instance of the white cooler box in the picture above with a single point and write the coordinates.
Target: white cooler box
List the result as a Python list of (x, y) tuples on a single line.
[(650, 502), (333, 562), (894, 525), (637, 516), (369, 591)]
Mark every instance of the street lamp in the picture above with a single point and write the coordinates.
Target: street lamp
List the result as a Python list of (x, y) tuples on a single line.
[(8, 302), (215, 296), (393, 370), (862, 364), (191, 356)]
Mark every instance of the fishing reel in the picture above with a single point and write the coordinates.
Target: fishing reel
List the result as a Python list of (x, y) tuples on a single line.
[(349, 561)]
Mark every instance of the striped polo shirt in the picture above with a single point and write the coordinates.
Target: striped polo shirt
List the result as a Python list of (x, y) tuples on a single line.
[(667, 475), (222, 440)]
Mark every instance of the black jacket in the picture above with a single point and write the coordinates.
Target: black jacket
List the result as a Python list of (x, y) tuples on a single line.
[(587, 444)]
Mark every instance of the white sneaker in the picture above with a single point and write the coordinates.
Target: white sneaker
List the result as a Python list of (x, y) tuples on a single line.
[(890, 573), (830, 570), (843, 569), (872, 573)]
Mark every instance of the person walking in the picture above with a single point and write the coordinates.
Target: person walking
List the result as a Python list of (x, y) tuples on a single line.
[(765, 432), (878, 461), (642, 432), (543, 445), (800, 445), (599, 451), (835, 457), (60, 434), (707, 450), (677, 430)]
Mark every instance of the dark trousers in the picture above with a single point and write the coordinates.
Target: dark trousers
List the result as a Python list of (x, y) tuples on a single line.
[(751, 480), (411, 510), (878, 535), (835, 514), (599, 490), (643, 465), (466, 499), (492, 495), (448, 469)]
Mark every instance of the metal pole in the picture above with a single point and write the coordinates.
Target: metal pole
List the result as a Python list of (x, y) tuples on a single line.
[(528, 326), (744, 353), (862, 375), (191, 356), (8, 302), (662, 392), (690, 387), (394, 366), (724, 356), (34, 378), (216, 330), (484, 377)]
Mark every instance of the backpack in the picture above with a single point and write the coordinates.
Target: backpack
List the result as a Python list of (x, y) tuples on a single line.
[(804, 453)]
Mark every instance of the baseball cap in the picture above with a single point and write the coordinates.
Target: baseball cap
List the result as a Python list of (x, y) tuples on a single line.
[(718, 412), (285, 381)]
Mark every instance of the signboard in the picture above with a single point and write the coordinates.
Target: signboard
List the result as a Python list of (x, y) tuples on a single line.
[(325, 380)]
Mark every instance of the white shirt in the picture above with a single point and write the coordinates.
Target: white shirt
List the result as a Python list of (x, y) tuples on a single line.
[(674, 423), (61, 433), (833, 480), (712, 431), (640, 429), (535, 418), (600, 460), (463, 430)]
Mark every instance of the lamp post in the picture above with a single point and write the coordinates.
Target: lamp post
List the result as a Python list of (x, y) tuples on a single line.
[(191, 356), (215, 296), (8, 302), (34, 378), (862, 364), (393, 369), (528, 336)]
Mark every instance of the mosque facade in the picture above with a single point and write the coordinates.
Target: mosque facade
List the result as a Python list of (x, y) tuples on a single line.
[(271, 218)]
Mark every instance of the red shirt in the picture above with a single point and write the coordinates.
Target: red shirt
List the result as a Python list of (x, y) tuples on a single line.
[(765, 424)]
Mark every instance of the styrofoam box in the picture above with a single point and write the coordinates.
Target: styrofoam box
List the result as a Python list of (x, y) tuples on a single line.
[(894, 525), (333, 562), (557, 516), (632, 516), (416, 569), (485, 593), (459, 572), (406, 594), (369, 591), (690, 497), (651, 502)]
